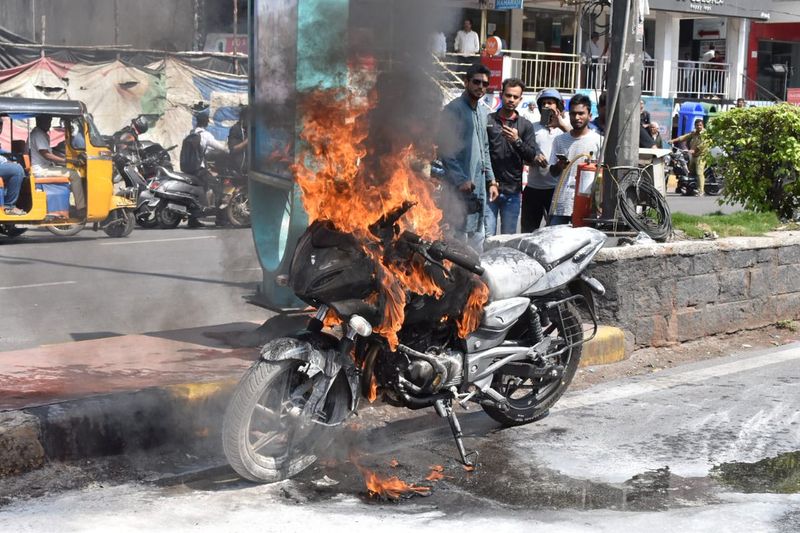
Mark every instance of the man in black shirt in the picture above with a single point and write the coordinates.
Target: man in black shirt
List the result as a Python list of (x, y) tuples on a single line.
[(238, 140), (512, 144)]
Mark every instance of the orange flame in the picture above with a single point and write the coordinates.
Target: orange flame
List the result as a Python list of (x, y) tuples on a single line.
[(435, 473), (344, 182), (373, 389), (471, 315), (392, 488)]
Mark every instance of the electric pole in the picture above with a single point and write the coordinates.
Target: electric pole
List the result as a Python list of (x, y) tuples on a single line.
[(624, 83)]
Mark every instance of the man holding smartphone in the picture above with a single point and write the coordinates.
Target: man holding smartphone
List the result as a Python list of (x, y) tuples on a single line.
[(538, 193), (511, 146), (568, 147)]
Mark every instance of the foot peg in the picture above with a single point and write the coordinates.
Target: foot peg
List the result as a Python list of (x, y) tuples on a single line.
[(444, 408)]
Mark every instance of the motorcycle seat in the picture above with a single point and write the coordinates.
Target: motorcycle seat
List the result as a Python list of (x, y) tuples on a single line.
[(509, 272), (549, 246), (180, 176)]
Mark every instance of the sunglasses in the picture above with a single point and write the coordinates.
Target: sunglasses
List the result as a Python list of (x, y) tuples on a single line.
[(476, 81)]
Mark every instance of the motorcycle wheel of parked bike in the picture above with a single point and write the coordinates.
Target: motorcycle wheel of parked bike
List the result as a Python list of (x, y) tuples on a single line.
[(265, 435), (530, 398), (167, 219), (146, 218), (119, 223), (238, 211), (11, 231), (66, 230)]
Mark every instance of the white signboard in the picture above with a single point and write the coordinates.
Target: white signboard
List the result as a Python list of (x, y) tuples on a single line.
[(709, 29)]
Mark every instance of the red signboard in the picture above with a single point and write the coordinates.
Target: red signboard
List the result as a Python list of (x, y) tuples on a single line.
[(793, 95), (495, 65)]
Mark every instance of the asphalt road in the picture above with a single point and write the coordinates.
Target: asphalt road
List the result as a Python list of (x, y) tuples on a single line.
[(710, 446), (60, 289), (698, 205)]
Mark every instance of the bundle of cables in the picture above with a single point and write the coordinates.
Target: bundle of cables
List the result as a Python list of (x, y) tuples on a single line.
[(643, 207)]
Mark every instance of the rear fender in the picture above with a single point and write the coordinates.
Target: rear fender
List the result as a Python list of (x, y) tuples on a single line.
[(321, 352)]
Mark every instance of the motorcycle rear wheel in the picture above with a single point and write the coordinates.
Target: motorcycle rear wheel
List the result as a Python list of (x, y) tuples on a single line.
[(263, 438), (238, 210), (167, 219), (530, 399)]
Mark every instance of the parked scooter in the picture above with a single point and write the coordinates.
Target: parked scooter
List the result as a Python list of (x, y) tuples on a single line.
[(180, 196), (687, 183)]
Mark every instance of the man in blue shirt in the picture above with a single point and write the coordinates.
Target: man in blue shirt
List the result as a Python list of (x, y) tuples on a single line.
[(464, 152)]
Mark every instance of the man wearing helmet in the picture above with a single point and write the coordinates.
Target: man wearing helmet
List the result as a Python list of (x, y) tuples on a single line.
[(538, 193), (130, 133)]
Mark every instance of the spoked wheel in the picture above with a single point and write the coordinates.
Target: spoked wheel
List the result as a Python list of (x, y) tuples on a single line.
[(119, 223), (66, 230), (530, 398), (266, 436), (238, 210)]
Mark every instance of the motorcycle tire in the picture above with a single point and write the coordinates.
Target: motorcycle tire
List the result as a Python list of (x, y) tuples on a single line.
[(542, 396), (262, 439), (167, 219), (146, 218), (66, 230), (11, 231), (237, 212), (121, 223)]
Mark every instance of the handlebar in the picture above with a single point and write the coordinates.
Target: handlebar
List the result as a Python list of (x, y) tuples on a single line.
[(439, 250)]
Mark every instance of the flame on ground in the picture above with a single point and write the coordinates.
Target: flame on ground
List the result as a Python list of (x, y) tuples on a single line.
[(392, 488), (435, 473)]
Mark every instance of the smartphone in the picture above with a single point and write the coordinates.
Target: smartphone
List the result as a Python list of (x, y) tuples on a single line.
[(546, 115)]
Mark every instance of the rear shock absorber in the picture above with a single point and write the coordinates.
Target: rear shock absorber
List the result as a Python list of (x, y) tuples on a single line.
[(536, 333)]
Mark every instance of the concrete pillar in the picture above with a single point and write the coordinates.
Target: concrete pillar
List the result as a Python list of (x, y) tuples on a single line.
[(666, 52), (515, 39), (736, 55)]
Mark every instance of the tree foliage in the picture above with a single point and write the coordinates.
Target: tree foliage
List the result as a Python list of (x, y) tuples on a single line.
[(759, 157)]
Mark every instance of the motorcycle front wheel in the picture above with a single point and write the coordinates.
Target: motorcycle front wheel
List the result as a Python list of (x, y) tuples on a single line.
[(529, 399), (265, 435)]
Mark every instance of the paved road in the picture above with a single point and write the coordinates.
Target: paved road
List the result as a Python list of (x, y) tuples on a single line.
[(632, 455), (701, 205), (59, 289)]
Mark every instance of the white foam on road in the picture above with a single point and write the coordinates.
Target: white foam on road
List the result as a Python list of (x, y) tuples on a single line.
[(621, 392), (120, 243), (34, 285)]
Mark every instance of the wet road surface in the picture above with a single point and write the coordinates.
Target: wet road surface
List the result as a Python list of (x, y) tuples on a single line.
[(701, 447)]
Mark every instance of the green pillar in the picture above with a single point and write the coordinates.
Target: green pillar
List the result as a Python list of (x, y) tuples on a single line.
[(318, 59)]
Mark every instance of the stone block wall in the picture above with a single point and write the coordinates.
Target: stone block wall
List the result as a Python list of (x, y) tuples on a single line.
[(660, 294)]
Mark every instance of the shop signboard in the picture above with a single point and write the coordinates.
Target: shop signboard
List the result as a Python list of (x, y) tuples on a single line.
[(508, 4), (721, 8), (793, 96)]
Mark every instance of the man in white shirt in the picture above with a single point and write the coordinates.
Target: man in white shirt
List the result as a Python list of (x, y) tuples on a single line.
[(709, 55), (45, 163), (208, 144), (538, 193), (467, 41)]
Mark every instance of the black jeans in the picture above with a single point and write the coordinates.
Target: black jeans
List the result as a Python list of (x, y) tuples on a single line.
[(535, 204)]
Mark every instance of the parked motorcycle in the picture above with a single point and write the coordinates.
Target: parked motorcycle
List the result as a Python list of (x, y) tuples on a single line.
[(136, 166), (180, 196), (518, 361), (687, 183)]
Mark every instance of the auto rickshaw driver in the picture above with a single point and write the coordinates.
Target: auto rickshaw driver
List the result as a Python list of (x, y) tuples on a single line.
[(45, 163)]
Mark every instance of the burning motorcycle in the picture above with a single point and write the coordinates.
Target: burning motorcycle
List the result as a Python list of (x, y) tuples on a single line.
[(504, 332)]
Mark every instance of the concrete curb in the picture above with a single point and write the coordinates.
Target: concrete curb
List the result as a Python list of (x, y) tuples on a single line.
[(608, 346), (181, 416)]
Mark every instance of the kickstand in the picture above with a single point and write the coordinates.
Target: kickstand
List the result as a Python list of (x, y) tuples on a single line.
[(444, 408)]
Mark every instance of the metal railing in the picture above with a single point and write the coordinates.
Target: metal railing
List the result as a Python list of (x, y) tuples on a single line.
[(595, 71), (755, 91), (541, 70), (701, 79)]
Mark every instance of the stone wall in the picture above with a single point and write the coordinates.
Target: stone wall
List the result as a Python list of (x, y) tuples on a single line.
[(673, 292)]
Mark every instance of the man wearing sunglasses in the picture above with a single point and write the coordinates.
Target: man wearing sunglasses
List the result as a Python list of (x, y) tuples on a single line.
[(464, 152)]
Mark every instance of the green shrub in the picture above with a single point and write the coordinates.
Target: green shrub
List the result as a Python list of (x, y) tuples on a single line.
[(760, 157)]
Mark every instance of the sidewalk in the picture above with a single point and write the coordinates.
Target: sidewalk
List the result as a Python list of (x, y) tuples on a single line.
[(137, 392)]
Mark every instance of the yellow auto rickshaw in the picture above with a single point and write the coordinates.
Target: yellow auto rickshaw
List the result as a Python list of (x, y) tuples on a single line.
[(60, 190)]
